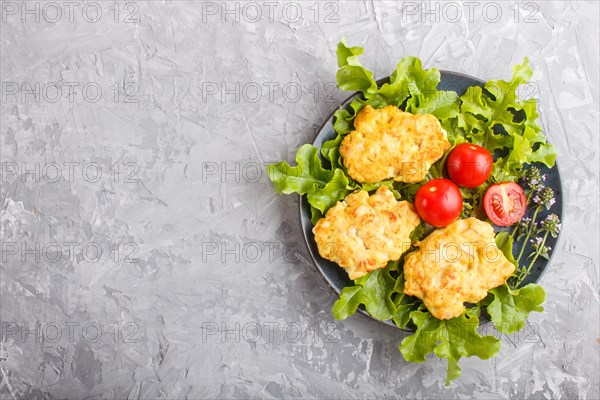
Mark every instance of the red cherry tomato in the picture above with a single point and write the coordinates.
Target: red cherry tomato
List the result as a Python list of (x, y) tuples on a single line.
[(505, 203), (439, 202), (469, 165)]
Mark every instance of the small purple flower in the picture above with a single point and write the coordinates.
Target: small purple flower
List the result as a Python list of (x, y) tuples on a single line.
[(538, 246), (524, 223), (551, 225), (546, 197), (536, 241), (533, 179)]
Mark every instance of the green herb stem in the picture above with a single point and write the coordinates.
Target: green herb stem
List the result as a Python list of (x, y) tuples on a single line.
[(530, 229), (514, 232), (523, 274)]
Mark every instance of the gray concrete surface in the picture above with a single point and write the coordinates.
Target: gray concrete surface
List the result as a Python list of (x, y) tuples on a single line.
[(145, 253)]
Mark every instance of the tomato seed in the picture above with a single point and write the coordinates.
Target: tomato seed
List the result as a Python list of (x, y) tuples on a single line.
[(497, 206)]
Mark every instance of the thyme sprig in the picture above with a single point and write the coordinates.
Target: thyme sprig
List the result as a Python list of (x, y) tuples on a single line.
[(529, 230)]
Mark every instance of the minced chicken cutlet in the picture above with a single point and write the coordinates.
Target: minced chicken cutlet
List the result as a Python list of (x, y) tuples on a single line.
[(454, 265), (390, 143), (362, 233)]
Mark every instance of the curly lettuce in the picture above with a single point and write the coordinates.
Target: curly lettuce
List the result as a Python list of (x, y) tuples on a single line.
[(410, 87), (450, 339), (323, 187), (381, 292), (495, 118), (509, 308)]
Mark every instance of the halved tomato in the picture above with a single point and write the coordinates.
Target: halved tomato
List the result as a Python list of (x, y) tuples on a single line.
[(505, 203)]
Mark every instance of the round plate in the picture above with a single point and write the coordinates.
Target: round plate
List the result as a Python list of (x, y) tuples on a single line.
[(337, 278)]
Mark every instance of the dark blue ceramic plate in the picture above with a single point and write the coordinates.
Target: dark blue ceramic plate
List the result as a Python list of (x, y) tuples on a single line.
[(337, 278)]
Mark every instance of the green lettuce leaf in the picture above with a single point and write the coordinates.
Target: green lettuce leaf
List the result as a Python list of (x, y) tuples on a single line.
[(303, 178), (380, 293), (545, 154), (510, 307), (532, 131), (323, 187), (497, 119), (504, 241), (450, 339), (335, 190), (373, 290), (521, 151), (409, 78), (403, 304), (475, 103), (331, 151), (443, 104), (422, 86), (352, 75), (315, 215), (419, 81), (343, 122), (408, 191), (421, 231), (348, 55)]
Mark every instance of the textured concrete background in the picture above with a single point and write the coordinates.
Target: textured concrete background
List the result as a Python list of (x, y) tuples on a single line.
[(145, 254)]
